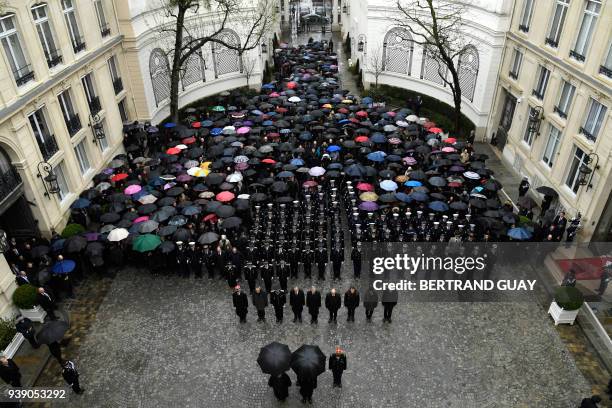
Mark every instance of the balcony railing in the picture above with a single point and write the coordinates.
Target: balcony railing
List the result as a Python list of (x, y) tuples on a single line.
[(78, 45), (606, 71), (575, 55), (523, 28), (538, 94), (94, 105), (73, 124), (588, 134), (105, 30), (54, 58), (118, 85), (513, 75), (551, 42), (9, 181), (23, 75), (559, 112), (48, 147)]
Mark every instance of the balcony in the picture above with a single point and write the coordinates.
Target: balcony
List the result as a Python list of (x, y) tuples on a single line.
[(94, 105), (523, 28), (23, 75), (559, 112), (588, 134), (48, 146), (551, 42), (54, 58), (105, 30), (73, 123), (118, 85), (575, 55), (606, 71), (78, 45), (538, 94), (513, 75)]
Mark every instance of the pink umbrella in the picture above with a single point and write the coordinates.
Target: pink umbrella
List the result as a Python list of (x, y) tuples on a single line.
[(365, 187), (243, 130), (141, 219), (225, 196), (410, 161), (391, 113), (448, 149), (274, 95), (133, 189), (241, 166), (450, 140), (310, 183), (435, 130), (169, 185)]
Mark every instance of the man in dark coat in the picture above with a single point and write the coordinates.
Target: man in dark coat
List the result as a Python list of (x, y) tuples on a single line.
[(250, 274), (337, 257), (280, 384), (183, 260), (523, 187), (278, 298), (294, 259), (267, 272), (307, 386), (590, 402), (297, 301), (22, 279), (356, 258), (26, 328), (71, 375), (9, 372), (260, 301), (241, 303), (313, 303), (337, 365), (351, 302), (44, 299), (307, 258), (370, 302), (332, 304), (389, 300), (282, 271)]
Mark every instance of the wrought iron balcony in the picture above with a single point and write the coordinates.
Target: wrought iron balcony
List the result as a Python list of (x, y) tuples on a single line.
[(10, 180), (54, 58), (551, 42), (94, 105), (588, 134), (575, 55), (23, 75), (513, 75), (48, 147), (538, 94), (78, 45), (523, 28), (118, 85), (606, 71), (559, 112), (73, 124), (105, 30)]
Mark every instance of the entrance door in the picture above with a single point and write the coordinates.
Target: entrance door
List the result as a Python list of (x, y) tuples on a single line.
[(18, 220), (505, 121)]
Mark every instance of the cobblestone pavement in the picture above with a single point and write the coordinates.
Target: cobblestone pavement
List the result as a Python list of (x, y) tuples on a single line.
[(158, 342)]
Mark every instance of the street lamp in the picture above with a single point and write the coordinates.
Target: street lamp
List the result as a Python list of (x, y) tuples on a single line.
[(45, 172), (4, 244), (264, 47), (344, 9), (535, 119), (586, 172), (96, 127)]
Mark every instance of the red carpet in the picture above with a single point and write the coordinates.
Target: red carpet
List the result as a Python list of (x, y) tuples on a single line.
[(586, 268)]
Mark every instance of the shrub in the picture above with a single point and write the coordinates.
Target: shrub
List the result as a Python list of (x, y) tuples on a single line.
[(569, 298), (24, 297), (72, 229), (7, 332)]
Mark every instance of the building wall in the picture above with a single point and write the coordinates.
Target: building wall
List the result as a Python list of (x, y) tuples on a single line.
[(589, 83), (485, 26)]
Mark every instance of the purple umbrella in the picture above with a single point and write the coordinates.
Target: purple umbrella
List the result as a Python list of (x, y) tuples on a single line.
[(410, 161), (92, 236), (368, 206), (184, 178)]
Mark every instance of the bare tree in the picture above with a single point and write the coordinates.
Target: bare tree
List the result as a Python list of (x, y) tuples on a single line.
[(437, 26), (248, 67), (186, 26), (377, 64)]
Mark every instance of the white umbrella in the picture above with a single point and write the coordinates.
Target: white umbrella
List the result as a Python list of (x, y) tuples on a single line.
[(412, 118), (244, 196), (241, 159), (295, 99), (234, 178), (167, 177), (118, 234), (389, 128), (401, 123), (191, 163), (471, 175), (229, 130), (103, 186), (147, 199), (388, 185), (196, 172), (181, 146), (316, 171)]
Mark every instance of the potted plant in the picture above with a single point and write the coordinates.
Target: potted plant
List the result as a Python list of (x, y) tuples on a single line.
[(565, 306), (10, 340), (24, 298)]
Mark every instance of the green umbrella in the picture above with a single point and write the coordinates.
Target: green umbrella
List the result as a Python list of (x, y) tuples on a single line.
[(146, 242), (218, 108), (72, 229)]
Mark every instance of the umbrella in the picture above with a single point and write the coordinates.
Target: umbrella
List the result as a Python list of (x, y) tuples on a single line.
[(166, 247), (133, 189), (316, 171), (167, 230), (275, 358), (526, 202), (368, 206), (146, 243), (308, 361), (520, 234), (208, 238), (75, 244), (388, 185), (118, 234), (147, 226), (413, 183), (547, 191), (52, 331), (368, 196), (438, 206), (64, 266), (225, 196), (458, 205), (81, 203), (147, 199), (231, 222), (95, 249)]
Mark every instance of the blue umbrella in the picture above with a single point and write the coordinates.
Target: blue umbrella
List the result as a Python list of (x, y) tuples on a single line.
[(356, 170), (65, 266), (57, 245), (334, 148), (378, 138), (305, 136), (419, 196), (257, 112), (81, 203), (206, 123), (403, 197), (267, 123), (216, 131), (297, 162), (393, 158), (267, 86), (157, 182), (388, 185), (285, 131), (438, 206), (520, 234), (413, 183), (334, 166), (170, 125), (377, 156), (367, 100), (343, 121)]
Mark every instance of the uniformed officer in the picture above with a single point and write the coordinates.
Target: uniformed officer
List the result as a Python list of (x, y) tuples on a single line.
[(356, 258)]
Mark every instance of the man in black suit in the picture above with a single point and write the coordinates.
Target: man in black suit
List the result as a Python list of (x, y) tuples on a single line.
[(297, 302), (22, 279), (241, 303), (332, 304), (313, 303), (46, 302), (337, 365), (26, 328), (71, 375), (321, 258)]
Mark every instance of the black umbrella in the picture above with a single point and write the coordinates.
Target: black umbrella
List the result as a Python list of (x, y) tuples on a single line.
[(181, 234), (208, 238), (110, 218), (308, 361), (166, 247), (178, 220), (75, 244), (547, 191), (231, 222), (458, 205), (215, 178), (95, 249), (274, 359), (477, 203), (225, 211), (167, 230), (52, 331), (174, 191), (166, 201), (39, 251), (147, 208)]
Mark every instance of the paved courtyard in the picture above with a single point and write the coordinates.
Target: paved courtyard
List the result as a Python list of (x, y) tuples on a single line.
[(161, 342)]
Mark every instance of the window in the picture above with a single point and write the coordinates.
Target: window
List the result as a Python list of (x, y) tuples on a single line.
[(565, 99), (556, 24), (45, 35), (104, 28), (594, 119), (606, 67), (573, 177), (123, 111), (78, 44), (90, 92), (71, 118), (526, 16), (81, 154), (103, 143), (552, 145), (117, 83), (22, 71), (589, 19), (64, 190), (44, 138), (517, 60), (540, 88), (530, 131)]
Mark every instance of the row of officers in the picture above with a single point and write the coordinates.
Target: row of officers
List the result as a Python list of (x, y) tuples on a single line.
[(312, 300)]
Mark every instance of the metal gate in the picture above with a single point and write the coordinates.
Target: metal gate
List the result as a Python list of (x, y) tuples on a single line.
[(159, 69), (468, 71), (194, 67), (431, 69), (398, 48), (226, 60)]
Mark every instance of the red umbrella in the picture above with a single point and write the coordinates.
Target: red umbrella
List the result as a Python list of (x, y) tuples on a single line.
[(274, 95), (428, 125), (173, 150), (119, 177), (292, 85), (189, 140), (361, 139), (273, 134), (225, 196), (450, 140), (454, 184), (343, 110), (435, 130), (281, 110), (310, 183), (365, 187), (354, 120), (362, 114), (141, 219), (269, 161), (196, 125), (211, 217)]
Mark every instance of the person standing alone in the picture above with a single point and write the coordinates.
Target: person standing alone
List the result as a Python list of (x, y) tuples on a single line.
[(337, 365)]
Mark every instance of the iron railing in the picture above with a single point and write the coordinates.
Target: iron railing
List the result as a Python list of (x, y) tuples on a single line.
[(10, 180), (54, 58), (94, 105), (118, 85), (23, 75), (48, 147), (78, 45), (575, 55), (73, 124), (105, 30)]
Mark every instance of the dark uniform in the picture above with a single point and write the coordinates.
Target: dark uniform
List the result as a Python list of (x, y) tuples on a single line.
[(26, 328), (241, 304), (337, 365), (313, 303), (297, 301), (321, 259), (250, 274), (71, 375), (351, 302), (332, 304), (356, 258), (278, 298)]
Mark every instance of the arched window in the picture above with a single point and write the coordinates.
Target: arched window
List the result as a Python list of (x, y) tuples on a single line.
[(226, 60), (193, 68), (398, 48), (432, 69), (468, 71), (159, 69)]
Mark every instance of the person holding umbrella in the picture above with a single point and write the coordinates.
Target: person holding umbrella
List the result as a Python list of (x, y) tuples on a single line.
[(275, 359), (313, 303), (26, 328), (241, 303), (280, 384), (337, 365), (260, 301), (524, 187), (333, 304), (71, 376), (308, 362)]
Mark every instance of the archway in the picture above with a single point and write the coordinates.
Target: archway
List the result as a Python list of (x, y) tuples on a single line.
[(398, 48)]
